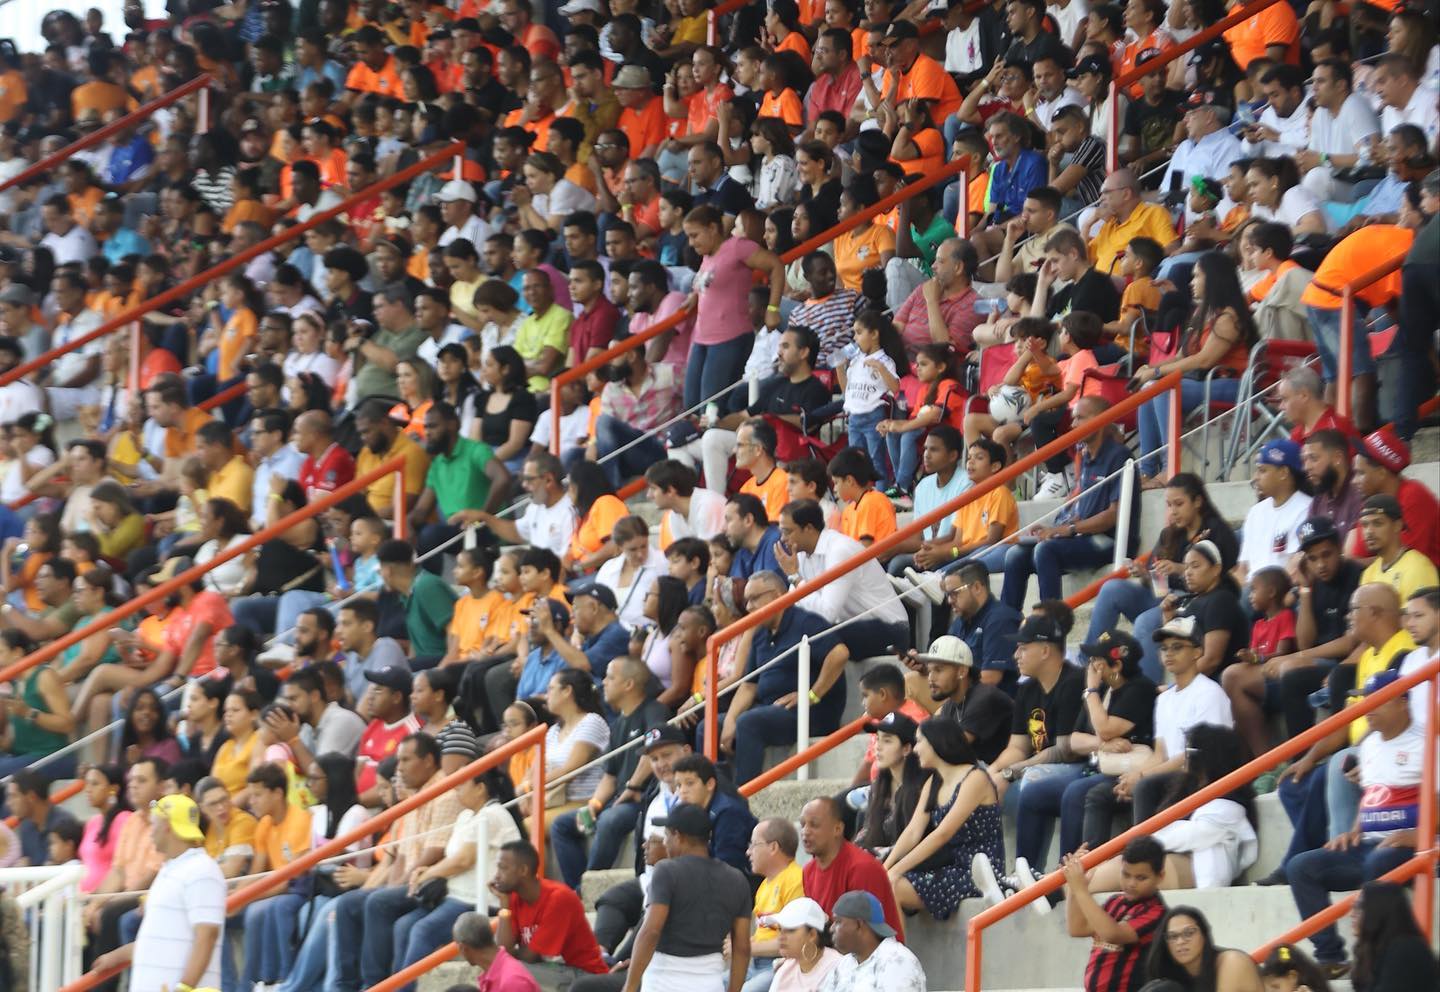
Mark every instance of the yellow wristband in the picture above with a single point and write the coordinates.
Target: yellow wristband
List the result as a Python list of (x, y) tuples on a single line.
[(699, 697)]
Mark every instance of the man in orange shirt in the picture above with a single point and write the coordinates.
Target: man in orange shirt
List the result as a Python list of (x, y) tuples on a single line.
[(1274, 33), (375, 71), (101, 93), (537, 39), (643, 119), (282, 835), (913, 76), (755, 444)]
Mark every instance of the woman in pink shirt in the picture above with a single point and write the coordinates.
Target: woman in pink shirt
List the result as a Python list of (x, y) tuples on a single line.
[(105, 791), (723, 335)]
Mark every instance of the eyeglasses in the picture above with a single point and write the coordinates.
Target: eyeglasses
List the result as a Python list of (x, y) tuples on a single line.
[(1181, 936)]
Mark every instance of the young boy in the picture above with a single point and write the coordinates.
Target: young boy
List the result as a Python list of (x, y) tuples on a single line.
[(689, 559), (807, 479), (1138, 266), (866, 515), (1034, 371), (1049, 416), (1273, 633), (473, 567), (830, 310), (1129, 922), (671, 246), (366, 536), (64, 842)]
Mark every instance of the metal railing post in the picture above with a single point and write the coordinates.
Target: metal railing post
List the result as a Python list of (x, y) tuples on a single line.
[(802, 705), (1175, 447), (1425, 881), (202, 114), (134, 382), (537, 819), (1112, 137), (712, 699), (962, 216), (555, 416), (401, 514), (1344, 366), (1122, 525)]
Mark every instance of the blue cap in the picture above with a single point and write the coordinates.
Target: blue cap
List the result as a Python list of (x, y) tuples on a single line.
[(858, 904), (1380, 680), (1282, 452)]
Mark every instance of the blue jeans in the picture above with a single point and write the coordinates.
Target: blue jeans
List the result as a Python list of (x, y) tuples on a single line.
[(1145, 626), (768, 725), (864, 436), (612, 434), (1126, 598), (383, 911), (1048, 561), (1327, 341), (903, 448), (1304, 803), (308, 971), (993, 558), (1041, 790), (1342, 796), (421, 931), (612, 826), (347, 928), (759, 975), (712, 367), (1087, 811), (256, 612), (1315, 874), (1154, 415), (268, 926)]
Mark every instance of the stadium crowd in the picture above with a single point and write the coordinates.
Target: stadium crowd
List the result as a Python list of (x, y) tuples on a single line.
[(628, 163)]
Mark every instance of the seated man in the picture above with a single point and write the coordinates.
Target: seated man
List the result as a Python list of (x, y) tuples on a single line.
[(542, 922)]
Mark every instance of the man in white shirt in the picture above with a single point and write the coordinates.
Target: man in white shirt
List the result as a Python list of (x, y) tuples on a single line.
[(1051, 91), (1209, 147), (72, 377), (179, 942), (548, 522), (67, 240), (1421, 620), (874, 960), (1284, 125), (20, 396), (686, 510), (1271, 525), (1403, 98), (274, 455), (1342, 126), (457, 207), (807, 548)]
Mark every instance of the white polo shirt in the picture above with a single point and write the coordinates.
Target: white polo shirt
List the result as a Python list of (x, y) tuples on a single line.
[(187, 892), (549, 527), (864, 590)]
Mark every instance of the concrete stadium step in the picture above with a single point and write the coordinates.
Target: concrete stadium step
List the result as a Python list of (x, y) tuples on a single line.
[(447, 976)]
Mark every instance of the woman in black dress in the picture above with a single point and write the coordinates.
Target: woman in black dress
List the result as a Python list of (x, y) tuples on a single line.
[(507, 409)]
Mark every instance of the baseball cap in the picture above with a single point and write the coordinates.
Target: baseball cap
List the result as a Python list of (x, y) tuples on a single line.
[(18, 294), (1380, 680), (949, 650), (252, 125), (687, 819), (1182, 629), (457, 738), (456, 189), (1383, 503), (603, 595), (857, 904), (896, 724), (1315, 530), (1113, 645), (581, 7), (666, 733), (1092, 65), (1039, 630), (802, 912), (1383, 447), (900, 30), (1205, 52), (559, 612), (391, 677), (182, 816), (632, 77), (1282, 452), (1431, 182)]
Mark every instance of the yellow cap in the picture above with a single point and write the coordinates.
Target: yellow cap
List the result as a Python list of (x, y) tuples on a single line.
[(181, 813)]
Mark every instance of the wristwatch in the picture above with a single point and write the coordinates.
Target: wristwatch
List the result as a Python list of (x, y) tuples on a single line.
[(1008, 774)]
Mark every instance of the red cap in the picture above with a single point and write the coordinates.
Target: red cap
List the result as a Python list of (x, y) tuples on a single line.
[(1385, 448)]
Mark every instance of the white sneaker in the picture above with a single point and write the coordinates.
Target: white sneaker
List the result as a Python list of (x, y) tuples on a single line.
[(905, 590), (1025, 878), (1052, 486), (983, 875), (928, 583)]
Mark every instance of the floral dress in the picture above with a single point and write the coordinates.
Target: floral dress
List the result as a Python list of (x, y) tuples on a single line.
[(942, 888)]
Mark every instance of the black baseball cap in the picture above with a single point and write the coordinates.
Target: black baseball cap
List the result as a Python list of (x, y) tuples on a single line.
[(391, 677), (559, 613), (1038, 630), (687, 819), (1114, 645), (666, 733), (896, 724), (1383, 503), (900, 30), (603, 595), (1315, 530), (1090, 65)]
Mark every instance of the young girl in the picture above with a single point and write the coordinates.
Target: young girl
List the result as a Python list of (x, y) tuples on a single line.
[(672, 247), (1034, 371), (777, 178), (868, 246), (935, 397), (869, 378), (32, 440), (233, 336), (22, 557), (896, 790), (865, 514), (1289, 969), (1272, 635), (519, 718), (194, 478)]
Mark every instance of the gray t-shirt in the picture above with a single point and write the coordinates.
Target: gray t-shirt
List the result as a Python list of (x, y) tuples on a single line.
[(705, 897), (338, 730), (385, 651)]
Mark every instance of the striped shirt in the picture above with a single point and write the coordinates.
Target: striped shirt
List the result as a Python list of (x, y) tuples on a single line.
[(833, 318), (188, 892), (1116, 968)]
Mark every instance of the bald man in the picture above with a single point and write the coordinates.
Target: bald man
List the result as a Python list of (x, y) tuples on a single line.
[(327, 466)]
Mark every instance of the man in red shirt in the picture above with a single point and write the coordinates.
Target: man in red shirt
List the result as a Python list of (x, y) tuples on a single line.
[(327, 466), (837, 866), (1302, 398), (837, 83), (1378, 464), (542, 919), (388, 702)]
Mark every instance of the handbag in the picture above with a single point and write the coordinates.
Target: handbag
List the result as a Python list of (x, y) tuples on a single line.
[(1122, 763), (432, 893)]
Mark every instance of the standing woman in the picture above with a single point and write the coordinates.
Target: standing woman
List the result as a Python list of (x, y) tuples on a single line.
[(578, 736), (723, 332), (506, 409), (36, 719), (1184, 953), (929, 865), (105, 792)]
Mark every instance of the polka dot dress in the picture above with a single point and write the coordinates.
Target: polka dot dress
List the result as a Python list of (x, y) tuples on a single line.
[(941, 889)]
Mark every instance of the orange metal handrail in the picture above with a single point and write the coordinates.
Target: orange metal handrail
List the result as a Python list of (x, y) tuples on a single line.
[(823, 746), (1004, 477), (1217, 790), (1344, 365), (243, 896), (1168, 55), (49, 162), (120, 321), (680, 316), (224, 396), (108, 620), (425, 965)]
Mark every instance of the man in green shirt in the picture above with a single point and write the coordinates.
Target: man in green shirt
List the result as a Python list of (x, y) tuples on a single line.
[(427, 599), (543, 339), (463, 475), (59, 614), (394, 340)]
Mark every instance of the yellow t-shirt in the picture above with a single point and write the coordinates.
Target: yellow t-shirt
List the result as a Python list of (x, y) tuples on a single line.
[(858, 250), (471, 620), (973, 520), (381, 493), (1371, 662), (773, 895), (871, 517), (1408, 574), (234, 482), (237, 839), (1148, 220), (232, 764)]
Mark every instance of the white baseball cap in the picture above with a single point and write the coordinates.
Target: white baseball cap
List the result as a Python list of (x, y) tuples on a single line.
[(457, 189), (581, 6), (949, 650), (802, 912)]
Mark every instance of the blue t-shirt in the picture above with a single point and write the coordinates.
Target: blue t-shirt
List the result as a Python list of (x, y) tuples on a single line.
[(605, 647), (779, 679), (762, 559), (535, 677), (929, 495), (1109, 460)]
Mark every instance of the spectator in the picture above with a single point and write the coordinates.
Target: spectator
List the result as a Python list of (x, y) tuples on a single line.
[(1213, 601), (638, 400), (28, 798), (894, 792), (136, 862), (1325, 454), (837, 866), (871, 947), (1381, 457), (630, 575), (983, 710), (1124, 216), (1185, 953), (464, 483), (1390, 951), (541, 919), (686, 510), (500, 971), (1124, 928), (773, 844), (1409, 571), (283, 834), (426, 600), (104, 786), (548, 522)]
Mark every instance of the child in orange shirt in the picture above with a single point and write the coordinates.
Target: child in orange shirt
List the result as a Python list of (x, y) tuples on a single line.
[(1138, 266), (866, 515), (1034, 371), (932, 396)]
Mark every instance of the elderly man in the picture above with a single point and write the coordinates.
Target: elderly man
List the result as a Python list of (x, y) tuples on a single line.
[(1208, 148), (941, 310), (1302, 399), (763, 711), (500, 971), (1125, 217)]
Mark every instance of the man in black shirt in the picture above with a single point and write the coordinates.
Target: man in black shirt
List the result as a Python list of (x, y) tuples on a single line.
[(983, 711), (1031, 42), (717, 187), (1067, 259), (1047, 707), (695, 903), (1148, 132)]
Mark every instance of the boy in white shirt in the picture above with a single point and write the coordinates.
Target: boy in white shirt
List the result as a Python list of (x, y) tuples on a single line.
[(1271, 525)]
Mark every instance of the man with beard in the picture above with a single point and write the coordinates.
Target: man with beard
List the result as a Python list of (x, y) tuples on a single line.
[(1325, 457), (314, 634), (983, 711), (315, 725), (463, 475), (391, 254), (383, 440)]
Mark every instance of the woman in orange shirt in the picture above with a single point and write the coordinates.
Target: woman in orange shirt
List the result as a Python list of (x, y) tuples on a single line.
[(416, 382), (598, 508), (782, 24), (234, 335), (39, 543), (868, 246), (318, 139)]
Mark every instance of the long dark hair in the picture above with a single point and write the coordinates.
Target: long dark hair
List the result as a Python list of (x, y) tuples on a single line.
[(340, 794), (587, 697), (892, 804), (674, 597), (1173, 541), (128, 735), (890, 341), (590, 482), (465, 385), (1287, 958), (942, 355), (1385, 914), (115, 776), (1222, 292), (950, 745), (1161, 964), (1211, 753), (512, 368), (502, 791)]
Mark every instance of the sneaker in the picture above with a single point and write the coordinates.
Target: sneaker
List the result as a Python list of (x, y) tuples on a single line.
[(928, 583), (1276, 877), (906, 590), (1025, 878), (1052, 486), (1334, 970), (983, 875)]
